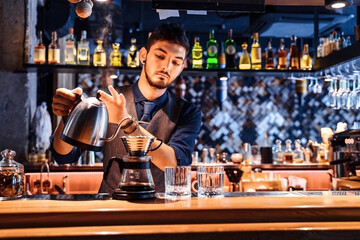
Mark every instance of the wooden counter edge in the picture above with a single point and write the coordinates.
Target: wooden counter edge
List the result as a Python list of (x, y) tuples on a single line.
[(201, 231)]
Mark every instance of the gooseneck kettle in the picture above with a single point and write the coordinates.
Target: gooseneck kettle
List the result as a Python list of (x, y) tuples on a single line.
[(87, 124)]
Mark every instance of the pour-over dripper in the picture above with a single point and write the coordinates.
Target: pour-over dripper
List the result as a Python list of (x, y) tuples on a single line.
[(137, 145)]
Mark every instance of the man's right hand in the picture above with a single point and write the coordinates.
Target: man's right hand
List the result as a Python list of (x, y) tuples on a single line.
[(64, 100)]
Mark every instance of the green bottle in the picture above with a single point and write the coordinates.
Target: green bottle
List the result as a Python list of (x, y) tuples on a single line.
[(230, 51), (212, 52), (197, 54)]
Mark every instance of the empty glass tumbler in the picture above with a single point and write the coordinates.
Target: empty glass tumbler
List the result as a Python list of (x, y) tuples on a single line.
[(178, 182), (210, 180)]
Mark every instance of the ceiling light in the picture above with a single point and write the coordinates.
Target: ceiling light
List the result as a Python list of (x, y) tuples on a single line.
[(337, 4)]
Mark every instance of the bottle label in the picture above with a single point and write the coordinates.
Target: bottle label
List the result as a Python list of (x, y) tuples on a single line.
[(197, 54), (282, 62), (54, 56), (39, 55), (256, 53), (230, 50), (83, 54), (99, 59), (69, 54), (133, 59), (212, 50)]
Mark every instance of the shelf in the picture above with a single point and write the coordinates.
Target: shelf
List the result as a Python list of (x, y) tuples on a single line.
[(345, 55), (188, 71), (77, 69), (336, 58)]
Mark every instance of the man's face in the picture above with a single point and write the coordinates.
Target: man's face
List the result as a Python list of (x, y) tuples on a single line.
[(164, 62)]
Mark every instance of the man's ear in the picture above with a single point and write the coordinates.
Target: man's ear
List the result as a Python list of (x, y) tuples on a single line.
[(142, 55)]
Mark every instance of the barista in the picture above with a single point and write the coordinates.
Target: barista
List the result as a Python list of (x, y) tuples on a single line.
[(173, 121)]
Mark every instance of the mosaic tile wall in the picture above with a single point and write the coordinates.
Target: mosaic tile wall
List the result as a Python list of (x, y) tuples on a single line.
[(255, 107)]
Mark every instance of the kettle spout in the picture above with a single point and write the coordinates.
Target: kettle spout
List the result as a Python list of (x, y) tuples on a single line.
[(117, 130)]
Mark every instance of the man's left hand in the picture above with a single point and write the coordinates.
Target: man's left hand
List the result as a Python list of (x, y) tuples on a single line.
[(115, 104)]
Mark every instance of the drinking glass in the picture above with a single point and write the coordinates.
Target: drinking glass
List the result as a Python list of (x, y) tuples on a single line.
[(311, 85), (210, 180), (332, 92), (317, 88), (178, 182)]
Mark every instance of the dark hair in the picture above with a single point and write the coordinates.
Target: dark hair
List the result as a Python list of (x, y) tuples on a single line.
[(171, 32)]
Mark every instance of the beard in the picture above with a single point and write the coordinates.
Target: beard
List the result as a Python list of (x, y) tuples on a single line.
[(157, 84)]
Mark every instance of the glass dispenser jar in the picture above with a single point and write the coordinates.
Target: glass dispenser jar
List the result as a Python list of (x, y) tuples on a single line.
[(11, 176)]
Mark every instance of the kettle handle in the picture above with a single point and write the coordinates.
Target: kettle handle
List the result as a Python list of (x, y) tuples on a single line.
[(117, 129), (78, 100)]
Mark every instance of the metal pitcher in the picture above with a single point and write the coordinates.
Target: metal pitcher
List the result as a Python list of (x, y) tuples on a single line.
[(87, 124)]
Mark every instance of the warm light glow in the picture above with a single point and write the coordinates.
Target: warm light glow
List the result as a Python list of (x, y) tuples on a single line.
[(338, 5)]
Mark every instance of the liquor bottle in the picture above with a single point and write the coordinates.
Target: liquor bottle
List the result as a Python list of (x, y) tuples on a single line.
[(115, 55), (247, 154), (212, 155), (244, 62), (288, 155), (222, 57), (281, 56), (70, 48), (306, 61), (197, 54), (319, 48), (294, 55), (83, 50), (325, 47), (269, 56), (133, 55), (298, 153), (336, 42), (347, 42), (212, 52), (205, 156), (333, 42), (53, 50), (39, 50), (99, 57), (340, 42), (230, 51), (308, 153), (255, 52), (278, 153)]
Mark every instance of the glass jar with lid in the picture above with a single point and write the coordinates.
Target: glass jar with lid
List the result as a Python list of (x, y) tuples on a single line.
[(278, 153), (288, 155), (11, 176)]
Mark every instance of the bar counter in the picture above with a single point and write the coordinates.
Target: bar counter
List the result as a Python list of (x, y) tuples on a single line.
[(99, 167), (261, 215)]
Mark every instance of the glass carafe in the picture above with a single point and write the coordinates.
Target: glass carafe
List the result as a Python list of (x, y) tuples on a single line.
[(134, 177), (11, 176)]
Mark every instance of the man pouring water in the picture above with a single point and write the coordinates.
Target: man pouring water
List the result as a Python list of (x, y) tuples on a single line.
[(173, 122)]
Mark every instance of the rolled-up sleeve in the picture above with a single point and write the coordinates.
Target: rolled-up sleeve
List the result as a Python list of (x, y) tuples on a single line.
[(186, 132), (71, 157)]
